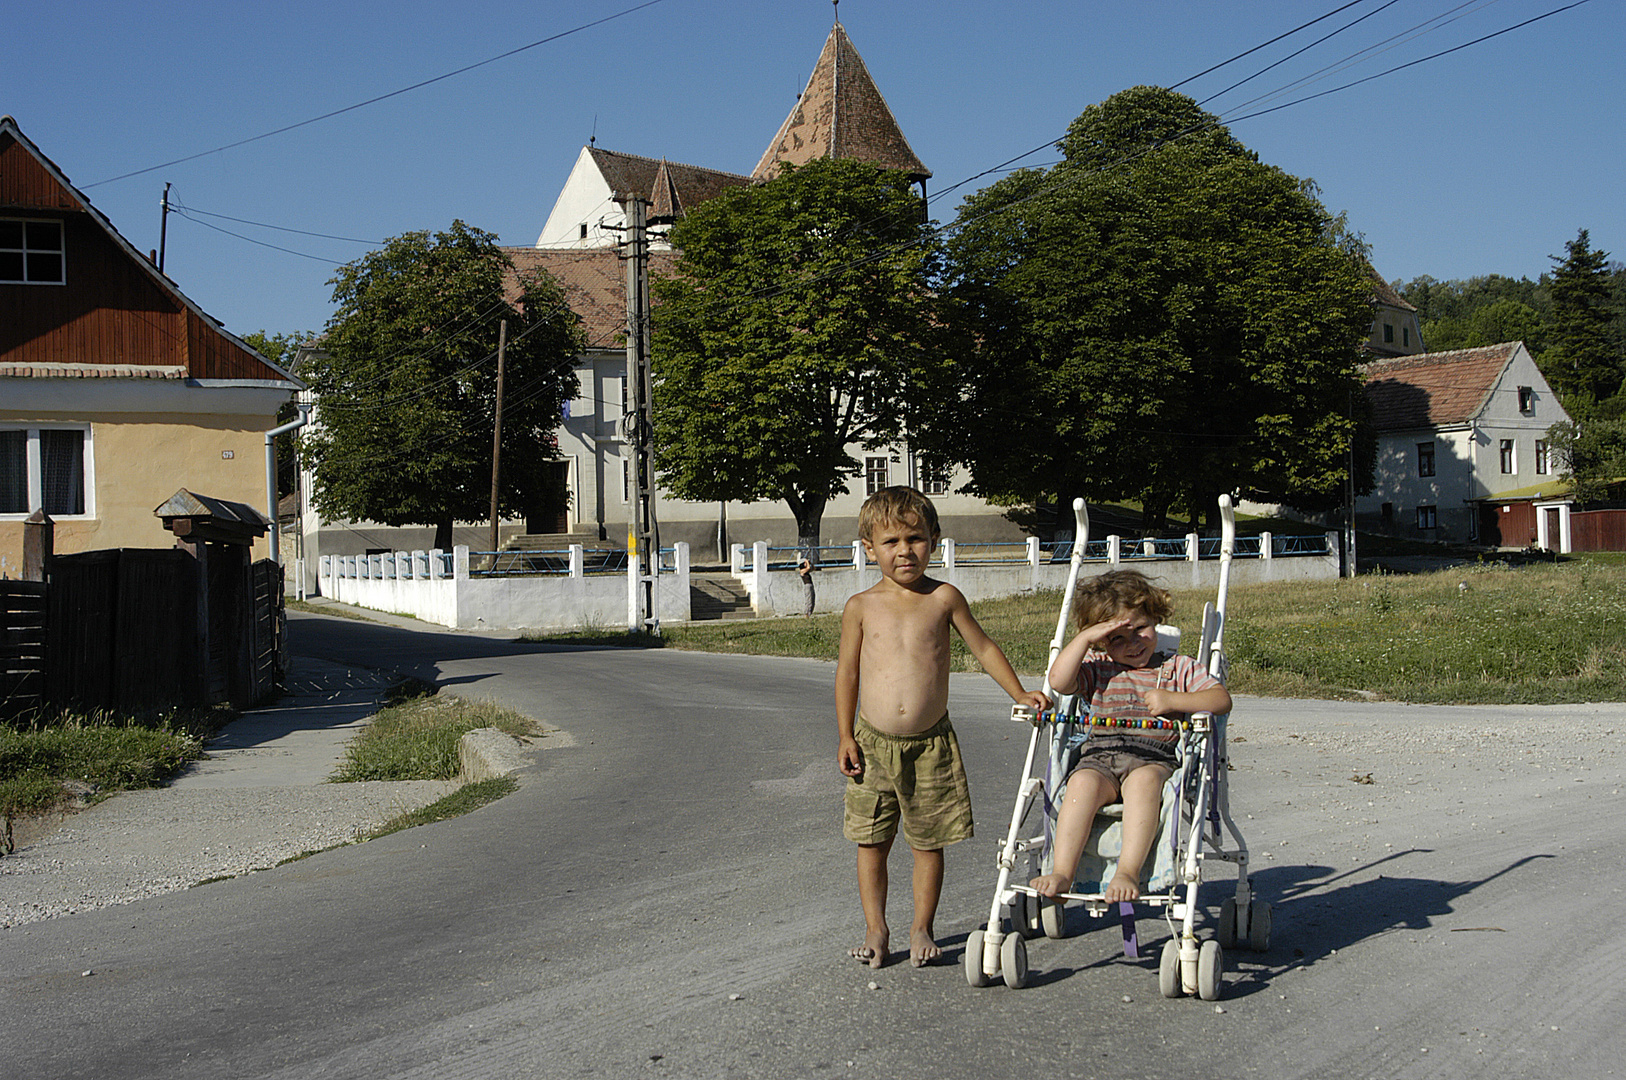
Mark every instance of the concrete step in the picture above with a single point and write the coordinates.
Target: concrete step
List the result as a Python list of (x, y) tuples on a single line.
[(718, 596)]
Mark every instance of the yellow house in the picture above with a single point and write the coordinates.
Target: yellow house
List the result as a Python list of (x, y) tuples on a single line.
[(115, 389)]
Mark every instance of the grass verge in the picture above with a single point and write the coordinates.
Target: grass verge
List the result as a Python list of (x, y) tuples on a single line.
[(1542, 633), (416, 738), (99, 753)]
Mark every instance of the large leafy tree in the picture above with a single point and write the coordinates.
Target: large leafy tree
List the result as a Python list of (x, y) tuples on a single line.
[(795, 320), (1584, 361), (1160, 317), (406, 390)]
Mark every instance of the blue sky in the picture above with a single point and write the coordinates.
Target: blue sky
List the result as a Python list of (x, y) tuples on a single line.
[(1483, 161)]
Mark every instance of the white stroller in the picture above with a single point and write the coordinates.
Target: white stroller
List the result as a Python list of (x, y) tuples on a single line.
[(1195, 807)]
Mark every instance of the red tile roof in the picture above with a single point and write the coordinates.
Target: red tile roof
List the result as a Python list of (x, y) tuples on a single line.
[(1433, 389), (668, 184), (594, 282), (840, 115)]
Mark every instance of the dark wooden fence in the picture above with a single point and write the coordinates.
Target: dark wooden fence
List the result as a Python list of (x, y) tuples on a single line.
[(22, 647), (138, 629), (1598, 530)]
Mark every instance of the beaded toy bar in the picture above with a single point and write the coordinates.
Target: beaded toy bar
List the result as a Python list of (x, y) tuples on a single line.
[(1150, 724)]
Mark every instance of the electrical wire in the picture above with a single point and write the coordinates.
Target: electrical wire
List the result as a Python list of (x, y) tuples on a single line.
[(381, 97)]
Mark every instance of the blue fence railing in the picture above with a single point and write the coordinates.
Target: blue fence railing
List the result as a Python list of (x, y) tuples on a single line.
[(1015, 553)]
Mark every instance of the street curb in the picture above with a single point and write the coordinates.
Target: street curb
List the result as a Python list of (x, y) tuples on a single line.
[(488, 752)]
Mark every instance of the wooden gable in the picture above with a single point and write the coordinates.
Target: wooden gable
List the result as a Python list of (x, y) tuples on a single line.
[(115, 315)]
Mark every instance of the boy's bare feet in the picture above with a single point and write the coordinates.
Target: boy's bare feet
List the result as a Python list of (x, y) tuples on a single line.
[(874, 949), (922, 949), (1051, 884), (1122, 887)]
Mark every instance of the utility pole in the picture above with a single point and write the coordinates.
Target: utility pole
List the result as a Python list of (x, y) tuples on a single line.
[(496, 434), (643, 538), (163, 227)]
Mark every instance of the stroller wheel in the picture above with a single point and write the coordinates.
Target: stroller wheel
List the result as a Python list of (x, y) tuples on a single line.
[(1210, 971), (1052, 919), (1168, 971), (1013, 961), (973, 960), (1226, 932), (1025, 914), (1259, 927)]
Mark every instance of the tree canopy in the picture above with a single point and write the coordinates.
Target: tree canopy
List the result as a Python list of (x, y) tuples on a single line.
[(795, 321), (406, 384), (1159, 317), (1584, 362)]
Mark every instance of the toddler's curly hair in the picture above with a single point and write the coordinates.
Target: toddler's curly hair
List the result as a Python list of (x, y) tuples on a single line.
[(1100, 598)]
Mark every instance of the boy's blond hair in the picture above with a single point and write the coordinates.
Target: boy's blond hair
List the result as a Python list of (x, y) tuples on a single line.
[(1100, 598), (897, 505)]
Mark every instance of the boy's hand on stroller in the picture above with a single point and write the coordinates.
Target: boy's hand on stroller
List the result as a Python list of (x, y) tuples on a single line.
[(1034, 699), (850, 758)]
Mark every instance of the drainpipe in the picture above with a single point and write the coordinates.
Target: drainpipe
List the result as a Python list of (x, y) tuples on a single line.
[(271, 477)]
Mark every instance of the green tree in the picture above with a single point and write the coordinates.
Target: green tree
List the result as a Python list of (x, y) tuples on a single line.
[(406, 390), (279, 349), (1591, 454), (795, 320), (1584, 363), (1489, 324), (1158, 317)]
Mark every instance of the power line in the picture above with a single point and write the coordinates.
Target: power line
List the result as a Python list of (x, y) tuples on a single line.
[(381, 97)]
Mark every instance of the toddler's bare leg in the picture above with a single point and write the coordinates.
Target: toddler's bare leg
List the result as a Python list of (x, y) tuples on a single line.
[(872, 883), (1088, 790), (928, 885), (1142, 796)]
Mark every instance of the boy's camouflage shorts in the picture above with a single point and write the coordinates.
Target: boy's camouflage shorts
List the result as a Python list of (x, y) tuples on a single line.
[(918, 779)]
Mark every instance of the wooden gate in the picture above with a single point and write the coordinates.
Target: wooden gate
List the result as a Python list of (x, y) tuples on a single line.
[(22, 647)]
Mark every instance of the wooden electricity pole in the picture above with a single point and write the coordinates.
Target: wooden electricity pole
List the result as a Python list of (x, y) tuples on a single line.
[(643, 538), (496, 434)]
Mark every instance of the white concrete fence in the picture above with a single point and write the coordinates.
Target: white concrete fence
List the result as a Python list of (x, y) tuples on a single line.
[(438, 587)]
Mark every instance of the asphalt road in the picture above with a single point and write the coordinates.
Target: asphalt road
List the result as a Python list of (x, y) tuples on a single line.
[(668, 894)]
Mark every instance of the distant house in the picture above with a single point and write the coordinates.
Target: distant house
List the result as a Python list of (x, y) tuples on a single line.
[(1462, 449), (115, 389), (1396, 330)]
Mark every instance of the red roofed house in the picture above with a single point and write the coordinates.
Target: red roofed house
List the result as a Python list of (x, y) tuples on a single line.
[(115, 389), (1462, 449)]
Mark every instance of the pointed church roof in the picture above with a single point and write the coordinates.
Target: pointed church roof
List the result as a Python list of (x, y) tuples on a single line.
[(840, 115)]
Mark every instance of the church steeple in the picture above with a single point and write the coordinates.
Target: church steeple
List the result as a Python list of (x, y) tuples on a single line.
[(841, 115)]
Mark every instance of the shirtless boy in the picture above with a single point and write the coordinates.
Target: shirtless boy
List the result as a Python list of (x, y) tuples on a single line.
[(897, 746)]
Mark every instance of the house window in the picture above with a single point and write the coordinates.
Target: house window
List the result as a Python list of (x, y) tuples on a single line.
[(934, 479), (1509, 465), (1527, 400), (1388, 333), (584, 230), (1427, 518), (45, 469), (1425, 459), (875, 470), (1542, 466), (1405, 336), (31, 252)]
